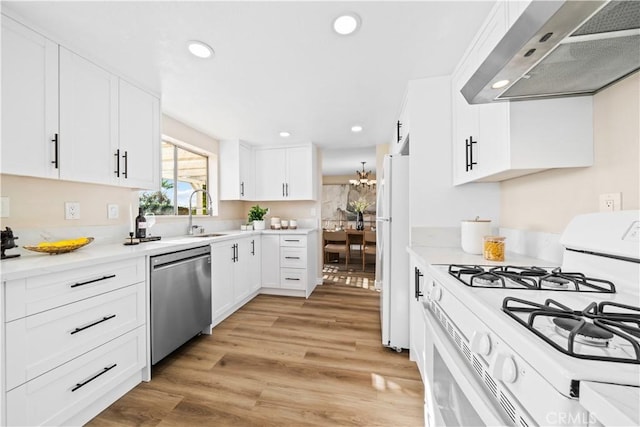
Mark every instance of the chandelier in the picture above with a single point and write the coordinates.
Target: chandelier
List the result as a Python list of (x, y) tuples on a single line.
[(363, 179)]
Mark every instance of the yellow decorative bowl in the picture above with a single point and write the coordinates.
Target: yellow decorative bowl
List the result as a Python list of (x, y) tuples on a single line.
[(60, 247)]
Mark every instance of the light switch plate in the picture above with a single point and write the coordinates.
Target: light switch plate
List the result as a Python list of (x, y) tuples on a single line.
[(71, 210), (112, 211), (4, 207)]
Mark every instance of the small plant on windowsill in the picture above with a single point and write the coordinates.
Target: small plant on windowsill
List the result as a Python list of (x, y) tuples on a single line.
[(256, 217)]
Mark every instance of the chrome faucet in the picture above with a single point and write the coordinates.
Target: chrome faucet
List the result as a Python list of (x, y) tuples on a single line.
[(200, 190)]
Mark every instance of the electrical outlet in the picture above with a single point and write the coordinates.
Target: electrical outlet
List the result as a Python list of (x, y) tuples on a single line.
[(610, 202), (4, 207), (112, 211), (71, 210)]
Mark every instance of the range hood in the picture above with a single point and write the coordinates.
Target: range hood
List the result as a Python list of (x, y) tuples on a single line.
[(561, 48)]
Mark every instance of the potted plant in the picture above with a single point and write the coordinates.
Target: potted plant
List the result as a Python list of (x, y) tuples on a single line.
[(359, 206), (256, 217)]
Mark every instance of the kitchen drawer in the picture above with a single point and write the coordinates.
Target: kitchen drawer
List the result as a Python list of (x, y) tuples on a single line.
[(294, 241), (59, 394), (36, 344), (293, 278), (293, 257), (39, 293)]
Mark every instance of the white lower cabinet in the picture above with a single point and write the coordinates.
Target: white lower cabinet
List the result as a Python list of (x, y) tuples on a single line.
[(235, 275), (53, 398), (74, 341), (417, 296), (289, 264)]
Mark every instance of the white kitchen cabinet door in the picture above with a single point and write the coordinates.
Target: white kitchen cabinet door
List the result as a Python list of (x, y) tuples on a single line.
[(417, 294), (300, 174), (255, 264), (138, 150), (270, 260), (222, 279), (29, 102), (237, 171), (271, 168), (242, 270), (88, 120)]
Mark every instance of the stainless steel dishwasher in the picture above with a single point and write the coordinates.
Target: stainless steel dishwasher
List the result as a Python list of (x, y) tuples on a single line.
[(180, 299)]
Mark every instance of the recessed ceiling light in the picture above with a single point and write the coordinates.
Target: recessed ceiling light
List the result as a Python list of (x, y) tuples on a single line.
[(200, 49), (285, 134), (500, 84), (346, 24), (356, 128)]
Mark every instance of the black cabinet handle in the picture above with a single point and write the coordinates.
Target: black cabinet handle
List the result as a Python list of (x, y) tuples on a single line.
[(471, 162), (126, 165), (291, 240), (399, 135), (104, 371), (283, 189), (417, 276), (466, 155), (117, 156), (93, 281), (287, 187), (291, 278), (56, 152), (97, 322), (292, 257), (242, 188), (253, 247)]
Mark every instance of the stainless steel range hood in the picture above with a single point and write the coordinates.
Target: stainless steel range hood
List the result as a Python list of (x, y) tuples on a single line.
[(561, 48)]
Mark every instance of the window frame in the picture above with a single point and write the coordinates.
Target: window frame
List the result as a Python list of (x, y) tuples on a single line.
[(212, 182)]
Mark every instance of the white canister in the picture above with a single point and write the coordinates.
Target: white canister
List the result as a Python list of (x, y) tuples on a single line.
[(293, 224), (472, 233)]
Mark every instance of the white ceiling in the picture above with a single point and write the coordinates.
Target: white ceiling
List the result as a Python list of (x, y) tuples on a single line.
[(278, 65)]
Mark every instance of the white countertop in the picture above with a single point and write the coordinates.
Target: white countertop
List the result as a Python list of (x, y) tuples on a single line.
[(33, 263), (452, 255), (612, 405)]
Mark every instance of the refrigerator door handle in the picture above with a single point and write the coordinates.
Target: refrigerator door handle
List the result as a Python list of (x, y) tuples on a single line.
[(383, 219)]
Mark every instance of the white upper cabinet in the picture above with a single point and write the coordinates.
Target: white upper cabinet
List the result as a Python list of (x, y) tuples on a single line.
[(139, 142), (66, 117), (88, 120), (503, 140), (288, 173), (402, 127), (29, 102), (237, 171)]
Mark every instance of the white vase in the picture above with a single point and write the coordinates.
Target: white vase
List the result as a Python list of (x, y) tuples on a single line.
[(258, 225)]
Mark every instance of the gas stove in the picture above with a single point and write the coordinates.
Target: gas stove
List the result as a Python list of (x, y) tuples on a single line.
[(533, 335), (528, 278)]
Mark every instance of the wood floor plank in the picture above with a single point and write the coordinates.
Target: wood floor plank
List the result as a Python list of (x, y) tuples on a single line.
[(282, 361)]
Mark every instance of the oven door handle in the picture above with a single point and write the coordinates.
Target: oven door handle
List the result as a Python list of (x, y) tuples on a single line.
[(486, 407)]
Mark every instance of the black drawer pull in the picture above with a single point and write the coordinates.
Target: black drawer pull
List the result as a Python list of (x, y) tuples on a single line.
[(292, 257), (93, 281), (291, 240), (97, 322), (291, 278), (104, 371)]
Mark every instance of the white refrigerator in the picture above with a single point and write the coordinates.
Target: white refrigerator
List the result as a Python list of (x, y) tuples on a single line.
[(392, 239)]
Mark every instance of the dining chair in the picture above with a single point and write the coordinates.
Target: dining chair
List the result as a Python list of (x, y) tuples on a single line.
[(335, 242), (368, 245)]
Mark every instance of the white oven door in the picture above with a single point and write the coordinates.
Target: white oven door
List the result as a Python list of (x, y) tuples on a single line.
[(453, 396)]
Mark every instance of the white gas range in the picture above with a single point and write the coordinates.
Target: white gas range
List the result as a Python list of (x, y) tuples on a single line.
[(536, 346)]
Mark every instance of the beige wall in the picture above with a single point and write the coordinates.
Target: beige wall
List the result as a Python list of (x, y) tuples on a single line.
[(381, 151), (546, 201), (340, 179), (37, 203)]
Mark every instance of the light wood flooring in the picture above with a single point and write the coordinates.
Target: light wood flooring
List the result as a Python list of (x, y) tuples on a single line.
[(282, 361)]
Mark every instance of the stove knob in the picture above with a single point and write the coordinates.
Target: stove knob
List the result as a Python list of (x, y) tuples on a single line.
[(481, 343), (436, 293), (505, 368)]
